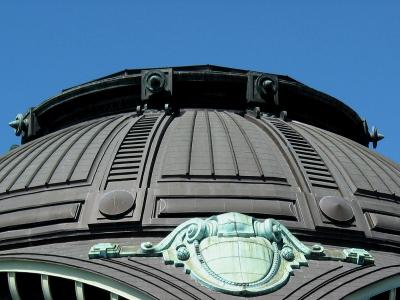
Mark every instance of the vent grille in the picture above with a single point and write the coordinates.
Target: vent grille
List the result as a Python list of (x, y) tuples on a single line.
[(317, 172), (128, 159)]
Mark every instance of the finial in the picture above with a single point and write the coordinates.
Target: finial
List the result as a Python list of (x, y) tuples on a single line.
[(19, 124), (375, 136)]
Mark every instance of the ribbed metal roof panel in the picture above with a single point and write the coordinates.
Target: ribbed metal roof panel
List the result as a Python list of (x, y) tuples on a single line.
[(220, 144), (65, 156), (369, 172)]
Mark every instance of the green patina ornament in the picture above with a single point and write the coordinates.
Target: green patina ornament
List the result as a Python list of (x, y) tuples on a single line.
[(287, 253), (105, 250), (234, 253), (358, 256), (182, 252)]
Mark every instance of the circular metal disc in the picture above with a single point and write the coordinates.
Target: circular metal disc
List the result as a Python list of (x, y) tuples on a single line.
[(116, 204), (155, 81), (336, 208)]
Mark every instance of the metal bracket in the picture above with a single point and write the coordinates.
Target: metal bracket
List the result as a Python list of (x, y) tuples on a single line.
[(262, 89), (33, 125), (156, 83)]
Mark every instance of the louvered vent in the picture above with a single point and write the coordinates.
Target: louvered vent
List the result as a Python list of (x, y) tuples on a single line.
[(317, 172), (128, 160)]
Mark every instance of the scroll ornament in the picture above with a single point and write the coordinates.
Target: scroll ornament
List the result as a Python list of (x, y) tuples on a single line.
[(234, 253)]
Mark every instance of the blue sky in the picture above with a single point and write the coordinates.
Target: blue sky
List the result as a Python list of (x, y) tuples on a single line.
[(348, 49)]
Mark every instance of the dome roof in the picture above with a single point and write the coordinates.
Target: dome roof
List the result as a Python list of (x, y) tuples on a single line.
[(123, 162)]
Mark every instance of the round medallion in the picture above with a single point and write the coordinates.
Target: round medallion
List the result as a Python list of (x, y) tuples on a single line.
[(265, 86), (155, 81), (336, 208), (116, 204)]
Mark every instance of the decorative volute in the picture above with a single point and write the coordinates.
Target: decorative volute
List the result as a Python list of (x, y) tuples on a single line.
[(234, 253)]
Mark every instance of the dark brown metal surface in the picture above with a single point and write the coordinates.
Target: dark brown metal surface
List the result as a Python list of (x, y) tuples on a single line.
[(116, 204), (108, 169), (336, 208)]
